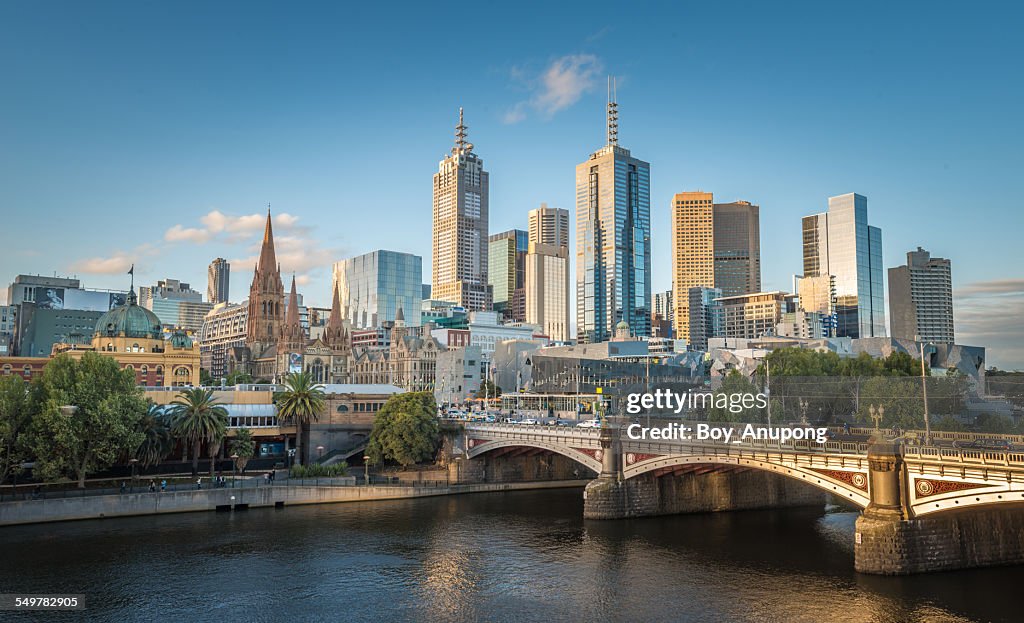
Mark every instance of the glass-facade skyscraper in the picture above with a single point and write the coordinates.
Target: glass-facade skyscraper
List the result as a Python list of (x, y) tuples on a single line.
[(840, 243), (613, 237), (506, 271), (372, 288)]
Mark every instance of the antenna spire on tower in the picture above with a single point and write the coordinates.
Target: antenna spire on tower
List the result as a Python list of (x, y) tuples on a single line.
[(461, 144), (613, 113)]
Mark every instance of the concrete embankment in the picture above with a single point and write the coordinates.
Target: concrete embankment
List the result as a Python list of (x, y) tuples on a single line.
[(132, 504)]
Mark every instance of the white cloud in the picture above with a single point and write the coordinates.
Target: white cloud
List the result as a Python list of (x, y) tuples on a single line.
[(558, 87), (216, 224), (991, 314), (117, 264)]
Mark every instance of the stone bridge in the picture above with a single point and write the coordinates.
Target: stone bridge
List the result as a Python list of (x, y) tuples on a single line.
[(924, 507)]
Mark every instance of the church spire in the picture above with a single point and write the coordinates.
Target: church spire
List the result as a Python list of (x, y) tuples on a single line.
[(268, 259), (291, 318), (334, 320)]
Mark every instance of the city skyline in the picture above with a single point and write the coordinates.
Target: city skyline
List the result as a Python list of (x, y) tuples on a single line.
[(129, 162)]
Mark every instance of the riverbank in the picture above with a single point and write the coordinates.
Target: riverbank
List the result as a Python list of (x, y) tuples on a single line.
[(279, 496)]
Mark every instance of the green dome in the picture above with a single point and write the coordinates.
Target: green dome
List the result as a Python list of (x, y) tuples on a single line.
[(129, 320), (622, 325)]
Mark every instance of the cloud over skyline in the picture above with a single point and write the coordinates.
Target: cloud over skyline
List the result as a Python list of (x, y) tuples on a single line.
[(562, 83)]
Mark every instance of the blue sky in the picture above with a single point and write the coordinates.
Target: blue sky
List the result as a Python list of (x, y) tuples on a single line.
[(147, 132)]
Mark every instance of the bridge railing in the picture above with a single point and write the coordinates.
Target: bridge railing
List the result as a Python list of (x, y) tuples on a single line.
[(964, 456)]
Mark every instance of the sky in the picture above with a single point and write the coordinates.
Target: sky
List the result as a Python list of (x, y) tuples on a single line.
[(157, 133)]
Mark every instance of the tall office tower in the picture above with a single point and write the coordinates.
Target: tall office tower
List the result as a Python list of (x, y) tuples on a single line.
[(372, 288), (613, 238), (663, 314), (737, 234), (693, 253), (706, 317), (506, 272), (549, 226), (547, 289), (921, 299), (217, 281), (840, 243), (460, 227)]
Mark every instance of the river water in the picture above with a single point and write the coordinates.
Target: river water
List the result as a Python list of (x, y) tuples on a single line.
[(522, 556)]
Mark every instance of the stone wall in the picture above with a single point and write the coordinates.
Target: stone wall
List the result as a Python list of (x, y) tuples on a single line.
[(523, 468), (978, 537), (647, 495)]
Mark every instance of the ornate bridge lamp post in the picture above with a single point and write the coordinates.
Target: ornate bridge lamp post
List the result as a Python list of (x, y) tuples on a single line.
[(877, 415)]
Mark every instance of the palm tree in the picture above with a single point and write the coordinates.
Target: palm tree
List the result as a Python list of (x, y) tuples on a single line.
[(197, 418), (243, 447), (301, 402), (158, 441)]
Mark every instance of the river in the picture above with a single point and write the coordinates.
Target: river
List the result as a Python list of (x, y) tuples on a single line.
[(524, 556)]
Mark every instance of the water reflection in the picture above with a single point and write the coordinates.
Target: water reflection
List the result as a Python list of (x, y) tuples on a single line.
[(502, 557)]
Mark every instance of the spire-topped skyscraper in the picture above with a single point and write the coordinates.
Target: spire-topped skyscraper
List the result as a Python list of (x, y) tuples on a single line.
[(460, 226), (613, 238), (266, 295)]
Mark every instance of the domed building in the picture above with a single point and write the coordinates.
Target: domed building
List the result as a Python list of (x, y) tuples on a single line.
[(133, 336)]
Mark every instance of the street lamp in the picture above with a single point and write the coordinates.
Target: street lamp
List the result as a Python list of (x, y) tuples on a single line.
[(320, 452), (133, 462), (234, 469), (924, 392), (366, 469)]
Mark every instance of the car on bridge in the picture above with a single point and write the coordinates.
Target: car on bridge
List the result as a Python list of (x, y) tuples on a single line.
[(529, 421), (985, 444), (595, 423)]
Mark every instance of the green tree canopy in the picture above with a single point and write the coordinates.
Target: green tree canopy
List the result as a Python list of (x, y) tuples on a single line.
[(488, 390), (157, 438), (405, 430), (302, 401), (16, 404), (197, 418), (102, 426), (243, 446), (734, 384)]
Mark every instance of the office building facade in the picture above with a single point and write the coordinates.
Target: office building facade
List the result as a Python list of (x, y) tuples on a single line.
[(372, 288), (506, 272), (547, 290), (613, 237), (706, 317), (693, 253), (737, 247), (218, 281), (460, 254), (921, 299), (549, 226), (841, 244)]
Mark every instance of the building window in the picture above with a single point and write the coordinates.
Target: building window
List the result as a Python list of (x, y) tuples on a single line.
[(7, 369), (27, 370), (145, 370)]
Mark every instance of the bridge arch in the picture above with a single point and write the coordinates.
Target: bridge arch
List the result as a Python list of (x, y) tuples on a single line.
[(848, 482), (590, 458)]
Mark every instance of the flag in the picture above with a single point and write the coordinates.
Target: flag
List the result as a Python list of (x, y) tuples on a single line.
[(131, 271)]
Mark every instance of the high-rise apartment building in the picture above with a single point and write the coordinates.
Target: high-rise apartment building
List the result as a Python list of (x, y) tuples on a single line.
[(613, 238), (506, 272), (921, 299), (714, 245), (706, 316), (755, 315), (547, 289), (176, 304), (840, 243), (693, 253), (737, 248), (460, 227), (549, 226), (663, 313), (218, 276), (372, 288)]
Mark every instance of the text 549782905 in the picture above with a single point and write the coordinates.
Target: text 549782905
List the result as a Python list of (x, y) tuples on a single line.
[(41, 602)]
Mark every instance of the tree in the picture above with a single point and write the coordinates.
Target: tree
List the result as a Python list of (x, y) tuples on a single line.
[(993, 423), (90, 417), (734, 384), (405, 430), (949, 424), (238, 377), (899, 397), (488, 390), (302, 402), (242, 446), (157, 438), (196, 418), (205, 379), (15, 416)]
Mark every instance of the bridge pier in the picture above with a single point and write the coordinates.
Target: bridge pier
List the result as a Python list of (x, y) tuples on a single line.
[(889, 540)]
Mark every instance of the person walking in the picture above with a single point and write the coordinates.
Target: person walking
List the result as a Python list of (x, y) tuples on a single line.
[(163, 485), (123, 487), (152, 486), (199, 483)]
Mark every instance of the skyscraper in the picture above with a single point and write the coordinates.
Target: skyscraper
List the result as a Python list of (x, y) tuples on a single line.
[(737, 233), (549, 226), (506, 272), (693, 253), (372, 288), (218, 281), (840, 243), (613, 237), (921, 299), (460, 227)]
